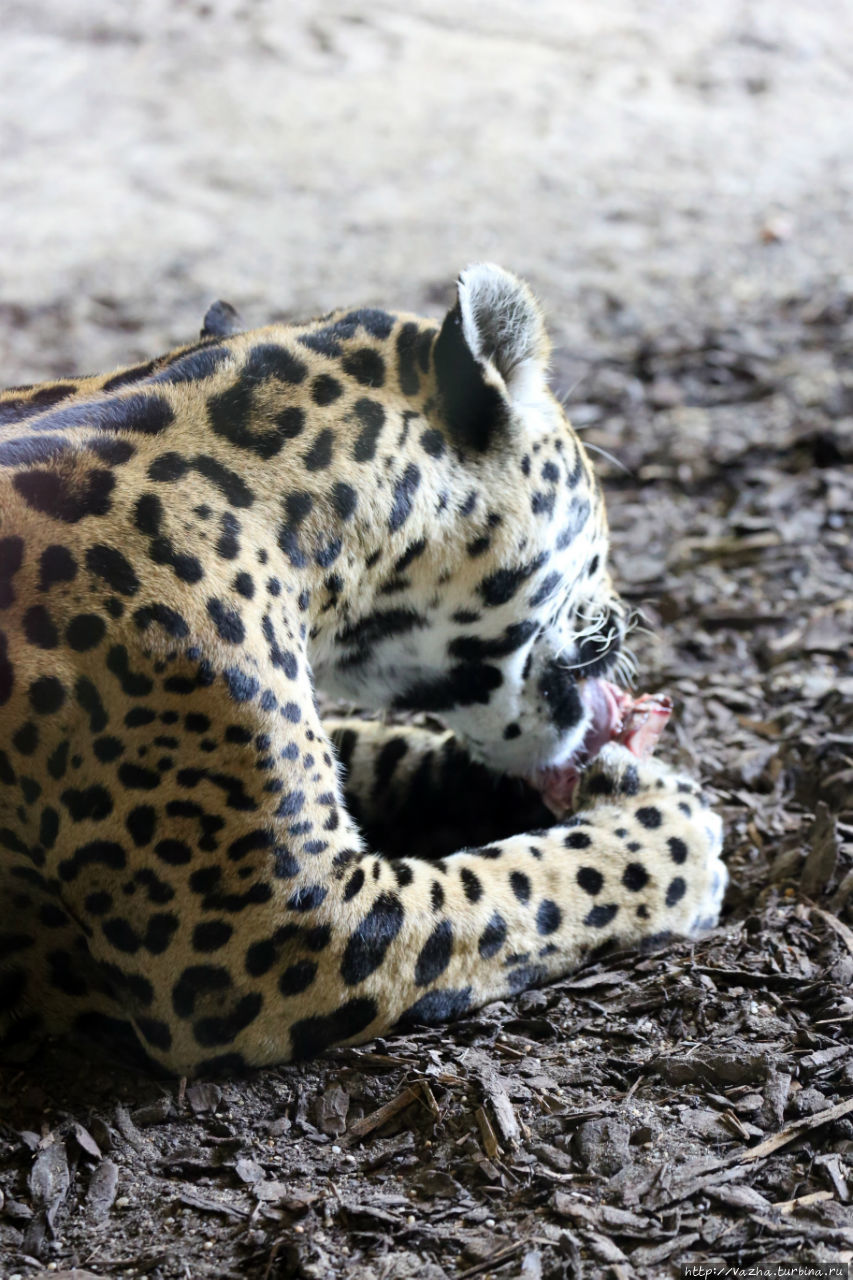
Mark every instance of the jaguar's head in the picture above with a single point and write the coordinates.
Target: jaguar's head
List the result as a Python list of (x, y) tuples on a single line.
[(513, 613)]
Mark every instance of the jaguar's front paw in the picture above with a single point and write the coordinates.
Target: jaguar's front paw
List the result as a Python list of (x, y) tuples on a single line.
[(662, 822), (616, 773)]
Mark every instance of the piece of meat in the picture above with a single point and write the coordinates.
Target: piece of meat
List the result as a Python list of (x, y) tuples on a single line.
[(643, 723), (616, 716)]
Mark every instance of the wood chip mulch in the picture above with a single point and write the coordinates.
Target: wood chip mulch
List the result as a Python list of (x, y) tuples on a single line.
[(691, 1104)]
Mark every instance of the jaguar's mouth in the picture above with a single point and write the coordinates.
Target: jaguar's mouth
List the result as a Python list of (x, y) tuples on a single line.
[(614, 716)]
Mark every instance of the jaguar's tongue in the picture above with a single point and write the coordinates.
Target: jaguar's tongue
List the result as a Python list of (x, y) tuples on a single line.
[(615, 716), (608, 706)]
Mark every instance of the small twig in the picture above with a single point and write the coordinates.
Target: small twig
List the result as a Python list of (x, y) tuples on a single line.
[(814, 1197), (274, 1252), (487, 1134), (789, 1134), (727, 1166), (634, 1087), (381, 1115), (428, 1098), (734, 1123), (496, 1260)]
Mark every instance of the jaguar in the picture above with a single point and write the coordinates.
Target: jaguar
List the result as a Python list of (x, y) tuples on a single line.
[(389, 509)]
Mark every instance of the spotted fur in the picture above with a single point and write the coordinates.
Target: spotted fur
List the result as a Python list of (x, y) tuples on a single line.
[(399, 511)]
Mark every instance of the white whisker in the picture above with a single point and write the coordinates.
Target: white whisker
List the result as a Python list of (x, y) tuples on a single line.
[(636, 616), (596, 448), (593, 625), (573, 388), (625, 668), (604, 641), (643, 631)]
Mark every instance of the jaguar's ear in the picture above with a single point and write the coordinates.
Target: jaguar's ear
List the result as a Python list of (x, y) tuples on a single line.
[(221, 320), (491, 355)]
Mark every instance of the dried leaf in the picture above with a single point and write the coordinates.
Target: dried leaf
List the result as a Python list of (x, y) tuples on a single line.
[(331, 1111), (822, 858), (86, 1142), (204, 1096), (291, 1198), (49, 1179), (102, 1190), (153, 1112), (249, 1171)]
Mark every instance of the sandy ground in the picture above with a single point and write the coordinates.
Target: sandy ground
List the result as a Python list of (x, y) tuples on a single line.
[(634, 156), (676, 180)]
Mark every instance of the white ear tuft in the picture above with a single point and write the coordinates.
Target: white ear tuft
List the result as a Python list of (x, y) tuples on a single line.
[(504, 328)]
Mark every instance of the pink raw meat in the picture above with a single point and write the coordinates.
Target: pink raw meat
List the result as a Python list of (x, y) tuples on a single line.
[(636, 723), (643, 723)]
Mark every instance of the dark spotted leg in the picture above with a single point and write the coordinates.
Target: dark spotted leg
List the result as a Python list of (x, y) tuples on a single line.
[(417, 791), (233, 915), (47, 974), (425, 941)]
